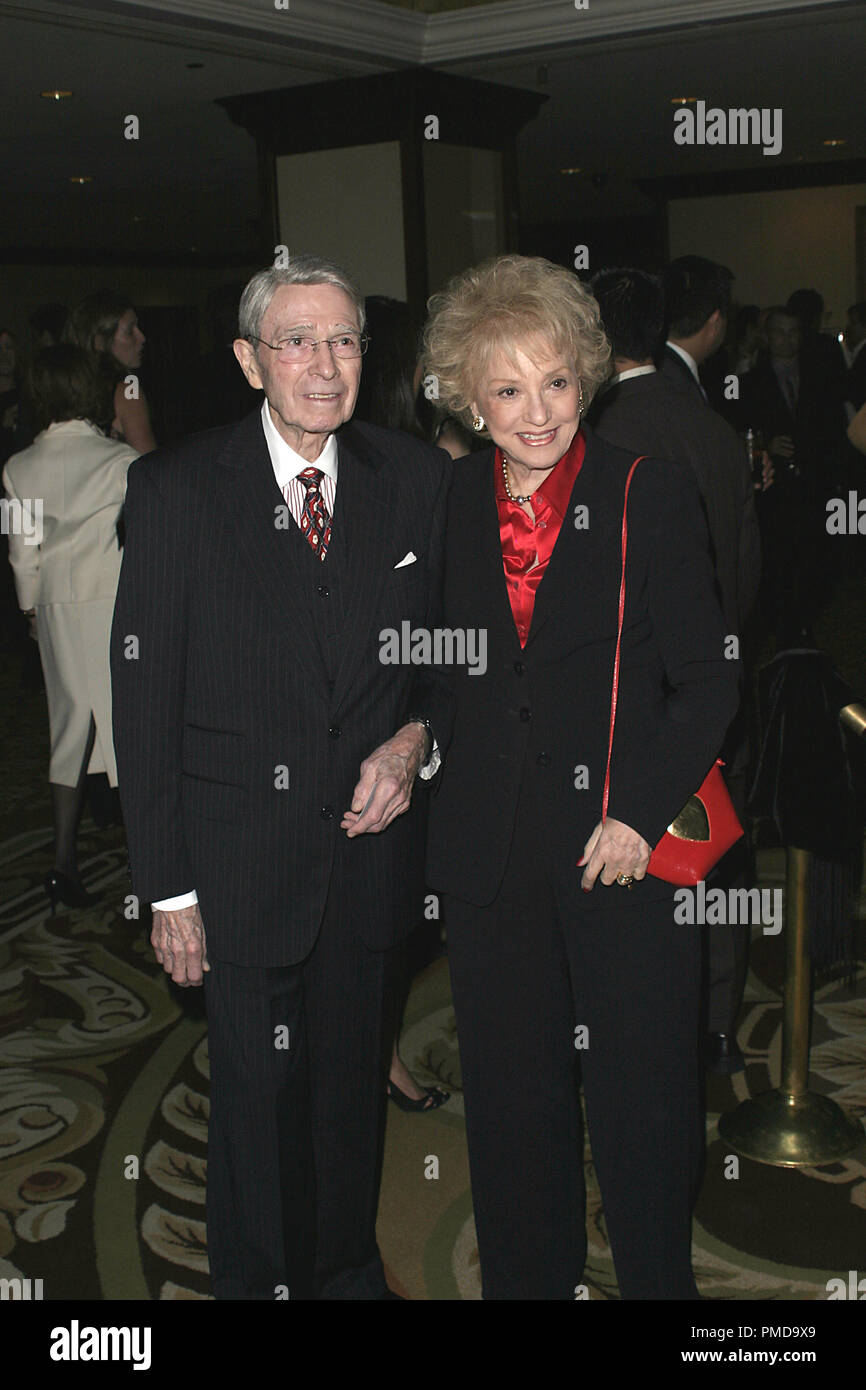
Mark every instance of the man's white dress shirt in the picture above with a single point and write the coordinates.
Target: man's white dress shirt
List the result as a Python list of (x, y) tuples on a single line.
[(632, 371)]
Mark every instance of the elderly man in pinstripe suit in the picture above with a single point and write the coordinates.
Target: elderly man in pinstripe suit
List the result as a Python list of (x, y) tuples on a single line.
[(267, 759)]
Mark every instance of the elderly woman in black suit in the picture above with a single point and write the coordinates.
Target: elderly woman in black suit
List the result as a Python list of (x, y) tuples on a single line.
[(561, 947)]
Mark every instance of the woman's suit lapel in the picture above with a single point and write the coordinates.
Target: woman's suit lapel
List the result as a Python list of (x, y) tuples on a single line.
[(488, 575), (569, 569)]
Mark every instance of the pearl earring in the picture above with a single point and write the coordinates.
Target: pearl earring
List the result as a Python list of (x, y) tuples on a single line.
[(478, 423)]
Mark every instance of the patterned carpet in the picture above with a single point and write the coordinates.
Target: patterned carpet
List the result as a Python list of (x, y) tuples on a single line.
[(104, 1103), (104, 1106)]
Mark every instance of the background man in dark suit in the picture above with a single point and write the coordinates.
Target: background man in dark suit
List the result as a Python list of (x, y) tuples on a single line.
[(697, 303), (248, 693), (855, 340), (786, 398), (855, 398), (643, 411), (819, 351)]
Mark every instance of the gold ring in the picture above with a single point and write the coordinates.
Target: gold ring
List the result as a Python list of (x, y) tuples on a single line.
[(626, 880)]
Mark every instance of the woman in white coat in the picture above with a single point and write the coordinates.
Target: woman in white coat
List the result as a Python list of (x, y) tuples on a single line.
[(64, 495)]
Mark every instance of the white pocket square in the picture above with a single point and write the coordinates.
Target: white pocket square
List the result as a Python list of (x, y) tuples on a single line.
[(407, 560)]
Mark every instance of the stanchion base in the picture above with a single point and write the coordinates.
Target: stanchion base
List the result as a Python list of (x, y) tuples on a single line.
[(791, 1131)]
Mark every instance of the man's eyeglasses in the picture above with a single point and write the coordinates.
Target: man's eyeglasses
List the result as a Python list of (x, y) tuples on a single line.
[(299, 349)]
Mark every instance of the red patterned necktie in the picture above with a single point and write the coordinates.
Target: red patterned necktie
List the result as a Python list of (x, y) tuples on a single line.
[(315, 517)]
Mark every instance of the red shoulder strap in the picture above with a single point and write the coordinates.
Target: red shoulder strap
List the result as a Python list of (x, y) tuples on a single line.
[(615, 688)]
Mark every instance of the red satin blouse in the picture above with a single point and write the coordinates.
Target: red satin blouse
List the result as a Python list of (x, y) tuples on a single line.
[(527, 545)]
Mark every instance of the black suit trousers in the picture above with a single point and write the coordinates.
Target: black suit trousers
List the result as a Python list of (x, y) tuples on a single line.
[(295, 1132), (527, 971)]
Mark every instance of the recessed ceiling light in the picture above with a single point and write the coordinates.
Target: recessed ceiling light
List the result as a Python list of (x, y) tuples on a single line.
[(832, 144), (682, 101), (81, 178), (55, 94), (570, 171)]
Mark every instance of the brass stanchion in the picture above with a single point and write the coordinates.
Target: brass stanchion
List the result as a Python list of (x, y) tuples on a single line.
[(791, 1126)]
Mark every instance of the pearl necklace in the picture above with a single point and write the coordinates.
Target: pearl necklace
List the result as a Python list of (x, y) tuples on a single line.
[(509, 494)]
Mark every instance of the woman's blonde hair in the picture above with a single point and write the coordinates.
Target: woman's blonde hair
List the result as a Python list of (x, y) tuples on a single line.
[(509, 302)]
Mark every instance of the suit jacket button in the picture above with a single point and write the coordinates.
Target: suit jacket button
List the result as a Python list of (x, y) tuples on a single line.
[(543, 760), (327, 813), (322, 590), (525, 714), (520, 668), (335, 731)]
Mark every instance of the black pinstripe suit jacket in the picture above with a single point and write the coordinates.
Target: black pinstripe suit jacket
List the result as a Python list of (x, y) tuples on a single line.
[(236, 754)]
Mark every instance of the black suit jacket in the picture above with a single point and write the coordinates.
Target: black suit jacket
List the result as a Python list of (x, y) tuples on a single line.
[(648, 416), (230, 685), (549, 702)]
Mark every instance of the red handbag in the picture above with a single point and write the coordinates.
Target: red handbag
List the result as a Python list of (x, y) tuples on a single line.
[(707, 826)]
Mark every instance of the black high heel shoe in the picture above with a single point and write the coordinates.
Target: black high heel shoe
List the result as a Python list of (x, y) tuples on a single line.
[(433, 1097), (69, 891)]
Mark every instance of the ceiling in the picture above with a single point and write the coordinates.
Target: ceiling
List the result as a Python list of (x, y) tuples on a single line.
[(437, 6), (189, 181), (609, 109)]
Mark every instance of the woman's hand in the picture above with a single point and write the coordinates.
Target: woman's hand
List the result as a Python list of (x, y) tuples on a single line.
[(613, 848)]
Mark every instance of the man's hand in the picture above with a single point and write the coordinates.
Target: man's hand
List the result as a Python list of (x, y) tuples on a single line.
[(613, 848), (385, 787), (179, 944), (782, 445)]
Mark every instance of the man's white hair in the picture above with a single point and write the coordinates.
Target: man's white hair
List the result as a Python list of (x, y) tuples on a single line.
[(301, 270)]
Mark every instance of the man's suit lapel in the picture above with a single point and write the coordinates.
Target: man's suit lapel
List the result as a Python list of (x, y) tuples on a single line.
[(364, 513), (682, 372), (255, 503)]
